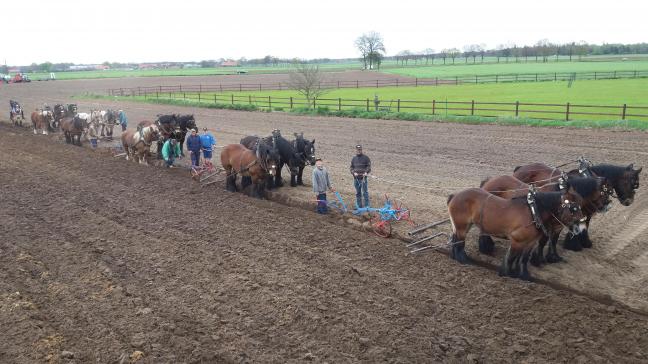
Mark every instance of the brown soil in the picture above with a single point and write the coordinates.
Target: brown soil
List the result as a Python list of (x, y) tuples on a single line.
[(102, 257)]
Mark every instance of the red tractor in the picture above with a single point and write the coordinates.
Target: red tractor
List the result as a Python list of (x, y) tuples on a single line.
[(20, 77)]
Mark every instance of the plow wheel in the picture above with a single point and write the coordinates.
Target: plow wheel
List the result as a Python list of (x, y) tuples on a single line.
[(403, 212), (379, 226)]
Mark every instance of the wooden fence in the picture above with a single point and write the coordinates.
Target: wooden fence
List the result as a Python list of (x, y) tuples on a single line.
[(554, 111), (395, 82)]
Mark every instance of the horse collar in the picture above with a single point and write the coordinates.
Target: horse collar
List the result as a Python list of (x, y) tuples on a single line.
[(534, 212)]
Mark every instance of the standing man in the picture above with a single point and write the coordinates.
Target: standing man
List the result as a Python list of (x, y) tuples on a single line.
[(193, 146), (360, 169), (170, 151), (123, 121), (321, 183), (207, 141)]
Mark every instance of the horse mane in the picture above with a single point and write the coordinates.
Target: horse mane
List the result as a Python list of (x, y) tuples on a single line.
[(547, 201), (609, 171), (483, 182), (584, 186), (516, 168)]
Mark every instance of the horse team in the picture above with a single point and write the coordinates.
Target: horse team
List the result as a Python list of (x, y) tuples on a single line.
[(530, 208), (73, 124), (533, 206)]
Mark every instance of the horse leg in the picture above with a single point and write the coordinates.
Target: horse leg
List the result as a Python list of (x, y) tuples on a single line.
[(508, 268), (278, 180), (245, 181), (537, 256), (552, 254), (102, 130), (486, 244), (524, 271), (293, 179), (300, 181), (230, 181), (572, 242), (585, 239)]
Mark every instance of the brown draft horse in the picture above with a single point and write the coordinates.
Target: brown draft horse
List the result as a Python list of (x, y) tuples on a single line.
[(511, 219), (622, 180), (41, 120), (72, 127), (237, 159), (592, 190), (137, 143)]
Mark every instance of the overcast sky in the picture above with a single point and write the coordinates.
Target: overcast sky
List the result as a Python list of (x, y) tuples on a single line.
[(90, 31)]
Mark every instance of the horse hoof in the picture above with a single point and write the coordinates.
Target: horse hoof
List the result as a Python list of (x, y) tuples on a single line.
[(486, 245), (526, 277), (572, 244), (554, 258), (536, 260)]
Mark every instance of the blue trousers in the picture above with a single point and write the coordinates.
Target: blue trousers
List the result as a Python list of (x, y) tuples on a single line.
[(321, 204), (169, 162), (362, 195), (195, 158)]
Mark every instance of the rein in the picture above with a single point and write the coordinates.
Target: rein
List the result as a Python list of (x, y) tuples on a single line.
[(534, 211)]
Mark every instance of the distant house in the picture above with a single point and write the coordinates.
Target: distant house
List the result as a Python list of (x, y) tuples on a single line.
[(148, 66), (229, 63), (101, 67), (190, 65), (13, 70)]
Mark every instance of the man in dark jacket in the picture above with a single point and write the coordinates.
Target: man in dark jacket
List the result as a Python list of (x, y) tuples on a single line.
[(360, 169), (193, 146)]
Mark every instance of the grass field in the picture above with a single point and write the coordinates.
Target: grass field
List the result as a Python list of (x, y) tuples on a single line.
[(613, 93), (460, 69)]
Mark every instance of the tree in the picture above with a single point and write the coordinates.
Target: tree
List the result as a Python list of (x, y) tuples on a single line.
[(370, 44), (375, 58), (453, 53), (307, 80), (428, 53)]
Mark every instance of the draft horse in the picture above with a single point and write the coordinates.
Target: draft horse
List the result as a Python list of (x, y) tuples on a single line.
[(511, 219), (174, 126), (137, 143), (16, 114), (73, 127), (295, 154), (41, 120), (592, 190), (623, 180), (237, 159)]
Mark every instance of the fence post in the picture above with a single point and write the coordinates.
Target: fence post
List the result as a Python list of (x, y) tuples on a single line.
[(436, 81), (398, 106), (240, 87), (567, 113), (232, 99), (516, 77), (376, 83), (357, 84), (496, 76), (635, 74), (314, 105), (416, 82), (517, 108), (220, 85), (291, 102), (456, 80), (476, 78), (594, 75), (433, 106), (536, 77), (139, 91), (180, 88), (615, 74), (259, 87), (249, 99), (472, 108), (121, 92), (397, 82), (339, 104), (623, 114), (367, 104), (200, 93), (184, 95), (338, 84), (215, 99)]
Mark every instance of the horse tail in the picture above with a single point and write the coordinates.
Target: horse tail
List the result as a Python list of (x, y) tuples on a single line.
[(516, 168), (450, 198), (483, 182)]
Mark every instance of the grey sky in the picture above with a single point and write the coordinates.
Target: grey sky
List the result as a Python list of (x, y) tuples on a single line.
[(93, 31)]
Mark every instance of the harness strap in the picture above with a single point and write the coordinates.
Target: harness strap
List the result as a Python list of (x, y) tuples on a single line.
[(534, 212)]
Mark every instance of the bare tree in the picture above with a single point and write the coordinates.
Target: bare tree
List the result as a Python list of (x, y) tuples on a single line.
[(370, 44), (453, 53), (404, 56), (428, 53), (307, 80)]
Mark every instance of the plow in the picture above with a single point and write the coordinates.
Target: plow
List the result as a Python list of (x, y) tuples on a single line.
[(419, 246)]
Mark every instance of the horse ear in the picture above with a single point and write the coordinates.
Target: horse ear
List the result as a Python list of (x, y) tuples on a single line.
[(313, 142), (638, 171), (630, 166)]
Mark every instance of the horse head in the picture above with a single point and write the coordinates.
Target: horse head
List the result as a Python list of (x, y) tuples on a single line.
[(269, 158), (594, 191), (569, 212), (305, 149), (187, 122), (624, 180)]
